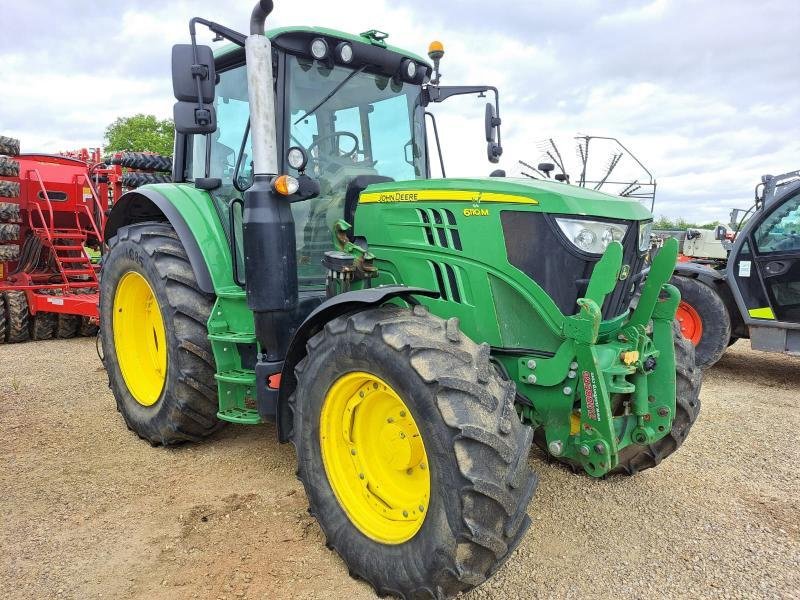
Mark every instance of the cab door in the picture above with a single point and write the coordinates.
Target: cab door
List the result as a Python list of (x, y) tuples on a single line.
[(764, 271), (776, 248)]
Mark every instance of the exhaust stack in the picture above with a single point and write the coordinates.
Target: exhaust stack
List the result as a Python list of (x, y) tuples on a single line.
[(268, 226)]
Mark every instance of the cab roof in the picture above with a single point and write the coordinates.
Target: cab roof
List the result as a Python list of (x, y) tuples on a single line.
[(343, 35)]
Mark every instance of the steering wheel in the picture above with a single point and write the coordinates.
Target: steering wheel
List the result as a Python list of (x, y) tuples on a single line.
[(335, 136)]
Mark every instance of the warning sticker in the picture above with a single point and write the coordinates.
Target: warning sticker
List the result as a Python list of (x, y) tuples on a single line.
[(744, 268)]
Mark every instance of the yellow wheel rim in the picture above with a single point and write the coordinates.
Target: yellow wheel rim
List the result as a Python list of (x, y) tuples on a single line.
[(374, 458), (139, 338)]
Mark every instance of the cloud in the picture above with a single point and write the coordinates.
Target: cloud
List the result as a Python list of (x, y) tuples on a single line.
[(706, 94)]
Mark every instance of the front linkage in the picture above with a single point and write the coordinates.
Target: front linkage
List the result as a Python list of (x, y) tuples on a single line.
[(610, 384)]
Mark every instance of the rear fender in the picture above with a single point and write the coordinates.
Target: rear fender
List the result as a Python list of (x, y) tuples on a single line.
[(192, 214)]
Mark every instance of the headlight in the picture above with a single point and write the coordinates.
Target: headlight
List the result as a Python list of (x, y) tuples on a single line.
[(591, 236), (645, 231)]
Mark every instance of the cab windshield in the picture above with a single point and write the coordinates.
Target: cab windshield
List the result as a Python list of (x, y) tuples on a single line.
[(371, 125)]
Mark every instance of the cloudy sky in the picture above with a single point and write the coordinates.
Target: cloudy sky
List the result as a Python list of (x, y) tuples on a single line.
[(706, 94)]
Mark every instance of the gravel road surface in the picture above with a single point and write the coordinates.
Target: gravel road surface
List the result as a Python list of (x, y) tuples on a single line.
[(87, 510)]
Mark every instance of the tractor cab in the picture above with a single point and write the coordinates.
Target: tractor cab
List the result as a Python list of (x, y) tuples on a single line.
[(350, 111)]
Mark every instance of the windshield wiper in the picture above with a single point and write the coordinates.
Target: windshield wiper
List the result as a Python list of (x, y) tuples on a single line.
[(331, 93)]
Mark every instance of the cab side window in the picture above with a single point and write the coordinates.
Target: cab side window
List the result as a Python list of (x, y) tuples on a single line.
[(780, 231)]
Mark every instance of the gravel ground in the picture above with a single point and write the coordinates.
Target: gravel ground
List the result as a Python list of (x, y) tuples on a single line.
[(90, 511)]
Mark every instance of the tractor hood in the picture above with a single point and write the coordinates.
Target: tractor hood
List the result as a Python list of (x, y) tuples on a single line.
[(547, 196)]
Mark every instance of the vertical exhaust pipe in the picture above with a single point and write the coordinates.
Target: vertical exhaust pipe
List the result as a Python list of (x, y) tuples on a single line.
[(268, 227)]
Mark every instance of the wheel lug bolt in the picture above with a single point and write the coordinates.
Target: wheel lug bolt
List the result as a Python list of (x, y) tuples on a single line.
[(390, 420), (402, 413), (421, 508), (374, 386), (422, 466), (409, 471), (353, 451), (361, 394), (402, 435), (361, 476), (405, 513)]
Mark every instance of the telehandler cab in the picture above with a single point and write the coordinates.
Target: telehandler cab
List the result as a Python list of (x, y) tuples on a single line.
[(411, 337), (748, 284)]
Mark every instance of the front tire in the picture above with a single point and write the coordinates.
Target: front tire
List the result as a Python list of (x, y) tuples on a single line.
[(688, 378), (635, 458), (149, 287), (704, 319), (479, 482)]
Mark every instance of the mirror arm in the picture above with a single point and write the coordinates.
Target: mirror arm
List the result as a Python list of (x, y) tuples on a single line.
[(438, 145), (440, 93), (220, 31)]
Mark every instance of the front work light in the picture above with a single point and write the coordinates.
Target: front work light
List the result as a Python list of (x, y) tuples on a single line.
[(319, 48), (345, 52), (409, 69)]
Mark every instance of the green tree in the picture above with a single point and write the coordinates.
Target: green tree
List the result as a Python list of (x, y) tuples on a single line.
[(140, 133)]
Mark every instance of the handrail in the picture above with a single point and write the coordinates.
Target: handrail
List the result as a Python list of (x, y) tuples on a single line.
[(96, 200), (46, 197)]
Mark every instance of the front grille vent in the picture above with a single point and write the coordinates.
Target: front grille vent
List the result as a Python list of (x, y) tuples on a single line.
[(440, 227), (447, 281)]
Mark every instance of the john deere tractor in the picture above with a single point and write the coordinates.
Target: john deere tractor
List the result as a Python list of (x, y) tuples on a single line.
[(410, 336)]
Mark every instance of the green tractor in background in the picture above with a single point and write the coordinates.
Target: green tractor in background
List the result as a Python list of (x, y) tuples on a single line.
[(411, 337)]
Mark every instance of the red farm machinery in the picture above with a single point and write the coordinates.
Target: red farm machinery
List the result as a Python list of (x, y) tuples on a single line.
[(52, 214)]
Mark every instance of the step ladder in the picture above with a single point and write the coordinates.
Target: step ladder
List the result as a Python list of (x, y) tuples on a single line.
[(70, 257)]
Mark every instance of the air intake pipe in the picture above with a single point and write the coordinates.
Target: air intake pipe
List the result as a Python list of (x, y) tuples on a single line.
[(268, 227)]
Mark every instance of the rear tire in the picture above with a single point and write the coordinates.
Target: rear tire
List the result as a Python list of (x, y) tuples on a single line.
[(87, 328), (17, 317), (9, 189), (8, 232), (716, 321), (9, 211), (8, 167), (43, 326), (9, 146), (476, 447), (67, 326), (9, 252), (3, 327), (186, 409)]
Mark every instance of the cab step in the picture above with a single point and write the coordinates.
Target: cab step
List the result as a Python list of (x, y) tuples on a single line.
[(238, 376), (243, 416), (232, 337)]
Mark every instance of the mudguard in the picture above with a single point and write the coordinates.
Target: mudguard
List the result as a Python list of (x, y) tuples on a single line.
[(337, 306), (701, 272), (188, 210)]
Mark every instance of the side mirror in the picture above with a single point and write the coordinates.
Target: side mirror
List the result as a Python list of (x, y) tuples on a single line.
[(491, 126), (735, 217), (720, 232), (546, 168), (193, 83), (491, 122)]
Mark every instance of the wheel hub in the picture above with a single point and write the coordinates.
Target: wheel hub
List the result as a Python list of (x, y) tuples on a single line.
[(690, 322), (139, 338), (374, 458)]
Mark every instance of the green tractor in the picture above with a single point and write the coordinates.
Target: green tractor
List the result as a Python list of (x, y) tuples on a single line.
[(411, 337)]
